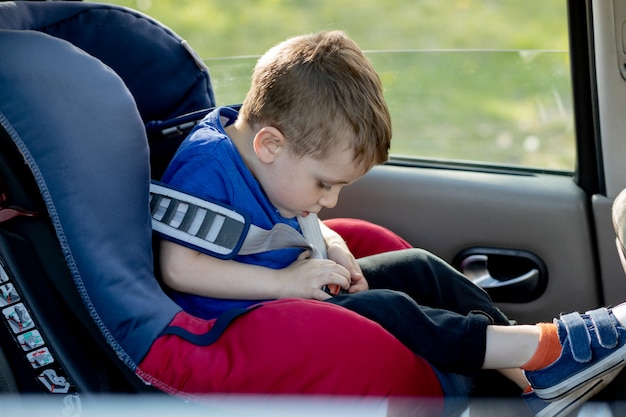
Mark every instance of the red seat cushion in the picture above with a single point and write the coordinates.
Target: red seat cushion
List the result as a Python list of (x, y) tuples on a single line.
[(365, 238), (290, 346)]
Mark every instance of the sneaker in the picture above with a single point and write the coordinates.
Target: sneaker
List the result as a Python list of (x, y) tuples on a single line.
[(570, 401), (594, 345)]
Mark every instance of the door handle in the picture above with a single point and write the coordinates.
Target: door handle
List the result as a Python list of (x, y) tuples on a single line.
[(476, 268), (506, 275)]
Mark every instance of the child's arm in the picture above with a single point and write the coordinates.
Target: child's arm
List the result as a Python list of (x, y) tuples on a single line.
[(338, 252), (186, 270)]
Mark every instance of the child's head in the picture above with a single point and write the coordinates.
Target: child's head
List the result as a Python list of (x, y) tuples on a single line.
[(323, 94)]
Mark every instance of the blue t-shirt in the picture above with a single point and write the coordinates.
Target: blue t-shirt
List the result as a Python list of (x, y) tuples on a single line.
[(209, 166)]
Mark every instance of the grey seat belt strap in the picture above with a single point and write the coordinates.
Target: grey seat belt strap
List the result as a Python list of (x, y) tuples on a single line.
[(312, 234), (279, 237), (221, 231)]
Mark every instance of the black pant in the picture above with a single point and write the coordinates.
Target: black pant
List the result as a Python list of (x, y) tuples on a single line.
[(429, 306)]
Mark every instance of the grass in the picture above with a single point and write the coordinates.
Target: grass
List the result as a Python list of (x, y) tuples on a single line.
[(472, 80)]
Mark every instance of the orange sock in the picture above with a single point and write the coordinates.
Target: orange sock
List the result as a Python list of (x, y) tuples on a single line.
[(548, 350)]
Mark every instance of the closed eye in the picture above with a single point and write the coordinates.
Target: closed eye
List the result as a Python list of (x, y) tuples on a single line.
[(326, 187)]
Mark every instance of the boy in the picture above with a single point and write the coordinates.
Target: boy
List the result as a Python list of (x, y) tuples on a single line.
[(313, 121)]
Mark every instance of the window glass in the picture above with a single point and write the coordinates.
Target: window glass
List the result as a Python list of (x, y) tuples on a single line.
[(485, 81)]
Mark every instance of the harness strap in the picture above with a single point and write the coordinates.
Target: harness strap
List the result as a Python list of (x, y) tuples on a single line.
[(207, 226), (608, 337), (8, 212), (577, 331), (210, 337), (218, 230), (312, 233)]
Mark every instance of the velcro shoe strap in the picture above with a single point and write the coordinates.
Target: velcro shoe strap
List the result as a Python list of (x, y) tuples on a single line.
[(578, 335), (605, 327)]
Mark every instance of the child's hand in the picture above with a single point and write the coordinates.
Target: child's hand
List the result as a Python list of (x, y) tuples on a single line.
[(305, 278), (340, 253)]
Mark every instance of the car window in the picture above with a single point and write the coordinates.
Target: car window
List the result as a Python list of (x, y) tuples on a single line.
[(485, 81)]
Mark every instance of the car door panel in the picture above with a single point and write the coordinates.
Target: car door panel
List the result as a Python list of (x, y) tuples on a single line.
[(447, 211)]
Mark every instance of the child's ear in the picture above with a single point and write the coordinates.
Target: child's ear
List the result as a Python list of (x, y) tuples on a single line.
[(268, 143)]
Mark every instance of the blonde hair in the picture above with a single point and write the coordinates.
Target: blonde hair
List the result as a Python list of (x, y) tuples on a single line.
[(321, 92)]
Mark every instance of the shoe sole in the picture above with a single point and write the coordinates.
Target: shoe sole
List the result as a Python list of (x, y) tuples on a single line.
[(575, 398), (612, 363)]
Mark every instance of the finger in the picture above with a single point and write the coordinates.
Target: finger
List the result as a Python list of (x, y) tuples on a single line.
[(359, 286), (321, 295), (356, 277), (304, 255), (356, 271), (339, 280), (342, 271)]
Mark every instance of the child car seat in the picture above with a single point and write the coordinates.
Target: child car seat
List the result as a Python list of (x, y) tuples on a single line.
[(83, 309)]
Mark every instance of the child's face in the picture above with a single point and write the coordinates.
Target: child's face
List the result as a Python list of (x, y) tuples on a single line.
[(297, 186)]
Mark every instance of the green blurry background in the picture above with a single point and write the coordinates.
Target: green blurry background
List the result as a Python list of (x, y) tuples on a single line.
[(471, 80)]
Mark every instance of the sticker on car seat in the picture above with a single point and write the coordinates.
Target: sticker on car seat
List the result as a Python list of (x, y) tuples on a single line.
[(56, 384), (48, 372), (18, 318), (3, 275), (40, 357), (30, 340), (8, 295)]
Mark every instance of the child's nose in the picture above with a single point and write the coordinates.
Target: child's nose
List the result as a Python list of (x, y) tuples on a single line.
[(329, 200)]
